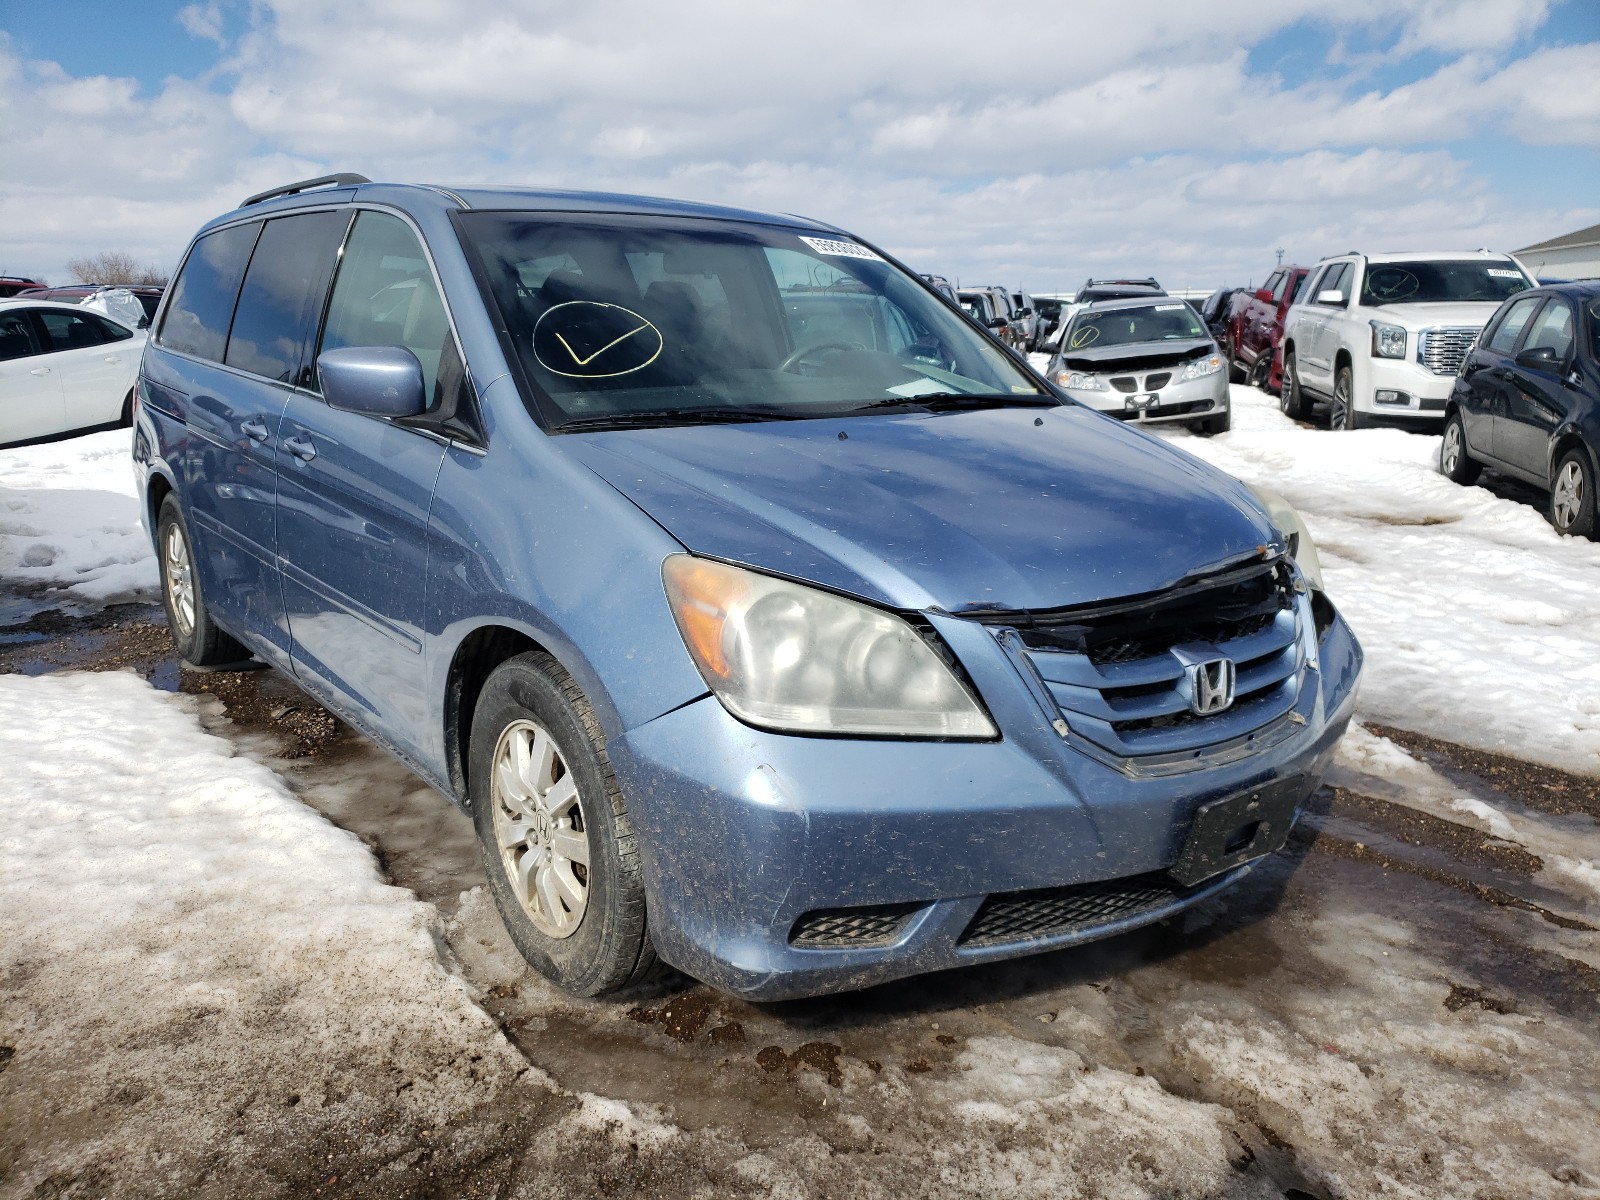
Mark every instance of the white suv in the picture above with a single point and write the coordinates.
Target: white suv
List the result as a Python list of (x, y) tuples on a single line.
[(1381, 336)]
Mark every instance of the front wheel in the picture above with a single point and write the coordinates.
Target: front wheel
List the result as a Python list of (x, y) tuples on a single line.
[(1294, 402), (200, 641), (1343, 414), (1455, 464), (1572, 498), (554, 830)]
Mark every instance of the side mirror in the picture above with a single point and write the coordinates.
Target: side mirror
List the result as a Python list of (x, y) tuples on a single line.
[(1538, 358), (383, 381), (1331, 296), (997, 322)]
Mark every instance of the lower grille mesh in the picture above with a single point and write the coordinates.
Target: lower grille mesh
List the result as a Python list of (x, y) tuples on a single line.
[(1017, 916), (875, 925)]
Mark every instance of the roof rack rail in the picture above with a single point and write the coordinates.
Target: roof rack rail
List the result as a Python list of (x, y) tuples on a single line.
[(344, 179)]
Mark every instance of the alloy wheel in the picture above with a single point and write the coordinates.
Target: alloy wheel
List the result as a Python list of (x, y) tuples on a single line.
[(1286, 388), (180, 580), (540, 829), (1566, 499), (1450, 454), (1339, 418)]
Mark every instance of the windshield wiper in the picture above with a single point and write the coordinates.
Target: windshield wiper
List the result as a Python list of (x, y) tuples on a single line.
[(663, 418), (956, 401)]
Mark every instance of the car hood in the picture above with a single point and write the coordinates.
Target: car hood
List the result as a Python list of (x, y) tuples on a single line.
[(1134, 354), (1426, 316), (997, 509)]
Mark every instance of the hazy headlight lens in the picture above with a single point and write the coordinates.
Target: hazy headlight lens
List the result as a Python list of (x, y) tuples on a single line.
[(1079, 381), (1301, 548), (1388, 341), (1200, 367), (784, 656)]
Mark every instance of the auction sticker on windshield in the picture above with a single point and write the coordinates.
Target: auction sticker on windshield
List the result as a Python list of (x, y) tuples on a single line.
[(840, 249)]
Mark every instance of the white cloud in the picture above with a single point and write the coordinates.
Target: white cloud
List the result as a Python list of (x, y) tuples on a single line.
[(203, 21), (1127, 138)]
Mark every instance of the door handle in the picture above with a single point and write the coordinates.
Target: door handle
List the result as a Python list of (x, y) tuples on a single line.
[(40, 371), (301, 448), (113, 358), (255, 430)]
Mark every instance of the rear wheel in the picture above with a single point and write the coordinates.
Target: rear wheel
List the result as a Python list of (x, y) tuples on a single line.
[(554, 830), (1343, 414), (1291, 399), (1572, 497), (201, 642), (1455, 463), (126, 419)]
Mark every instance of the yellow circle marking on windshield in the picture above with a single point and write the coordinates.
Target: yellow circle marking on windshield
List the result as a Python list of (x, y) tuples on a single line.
[(594, 340), (1395, 283), (1086, 336)]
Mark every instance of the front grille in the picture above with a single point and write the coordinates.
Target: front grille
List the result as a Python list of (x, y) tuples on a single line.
[(837, 928), (1019, 916), (1441, 350), (1154, 383), (1125, 383), (1114, 671)]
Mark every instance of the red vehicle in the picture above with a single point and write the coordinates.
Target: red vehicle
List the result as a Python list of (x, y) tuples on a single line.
[(1257, 327), (10, 285)]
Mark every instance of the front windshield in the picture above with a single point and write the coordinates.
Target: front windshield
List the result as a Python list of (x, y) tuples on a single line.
[(1436, 282), (1168, 321), (625, 318)]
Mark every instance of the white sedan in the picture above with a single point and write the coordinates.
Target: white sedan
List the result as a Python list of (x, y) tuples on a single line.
[(63, 369)]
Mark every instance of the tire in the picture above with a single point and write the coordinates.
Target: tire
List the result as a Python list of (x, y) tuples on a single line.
[(200, 641), (1572, 496), (1294, 402), (1455, 464), (1220, 423), (126, 419), (579, 923), (1260, 371), (1342, 415)]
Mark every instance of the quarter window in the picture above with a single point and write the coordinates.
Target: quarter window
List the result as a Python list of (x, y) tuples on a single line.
[(384, 295), (282, 294), (201, 307), (17, 338), (1506, 333)]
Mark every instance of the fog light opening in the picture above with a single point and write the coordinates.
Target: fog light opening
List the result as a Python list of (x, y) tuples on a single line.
[(1389, 396)]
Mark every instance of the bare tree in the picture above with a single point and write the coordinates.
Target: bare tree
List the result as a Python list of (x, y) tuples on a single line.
[(113, 266)]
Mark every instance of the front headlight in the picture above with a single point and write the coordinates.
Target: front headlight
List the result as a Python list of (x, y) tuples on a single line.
[(1301, 548), (1388, 341), (1079, 381), (1201, 367), (783, 656)]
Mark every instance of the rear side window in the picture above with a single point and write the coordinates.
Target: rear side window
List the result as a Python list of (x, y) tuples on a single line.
[(17, 339), (282, 295), (201, 307), (79, 331), (1307, 282), (385, 295), (1504, 340)]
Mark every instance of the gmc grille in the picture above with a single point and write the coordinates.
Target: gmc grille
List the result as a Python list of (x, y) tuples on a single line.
[(1441, 350)]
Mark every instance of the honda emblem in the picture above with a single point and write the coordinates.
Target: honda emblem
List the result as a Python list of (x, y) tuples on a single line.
[(1211, 686)]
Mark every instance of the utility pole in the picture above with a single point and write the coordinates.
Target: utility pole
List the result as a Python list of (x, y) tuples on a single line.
[(1280, 256)]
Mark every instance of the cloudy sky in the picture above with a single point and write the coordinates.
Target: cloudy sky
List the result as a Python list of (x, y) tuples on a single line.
[(1022, 144)]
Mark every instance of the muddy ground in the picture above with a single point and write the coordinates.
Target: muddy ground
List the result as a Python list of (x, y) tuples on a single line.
[(1398, 1004)]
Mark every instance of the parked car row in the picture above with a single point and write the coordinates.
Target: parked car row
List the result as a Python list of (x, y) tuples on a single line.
[(148, 295)]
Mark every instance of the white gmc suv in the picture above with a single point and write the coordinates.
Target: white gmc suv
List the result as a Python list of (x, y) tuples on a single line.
[(1379, 337)]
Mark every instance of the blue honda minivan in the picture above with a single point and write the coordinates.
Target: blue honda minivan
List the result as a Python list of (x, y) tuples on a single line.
[(768, 617)]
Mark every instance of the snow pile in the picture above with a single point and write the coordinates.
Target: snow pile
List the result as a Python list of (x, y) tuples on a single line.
[(196, 967), (1481, 625), (69, 519)]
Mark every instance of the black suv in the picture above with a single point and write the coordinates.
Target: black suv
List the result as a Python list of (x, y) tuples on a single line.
[(1526, 401)]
